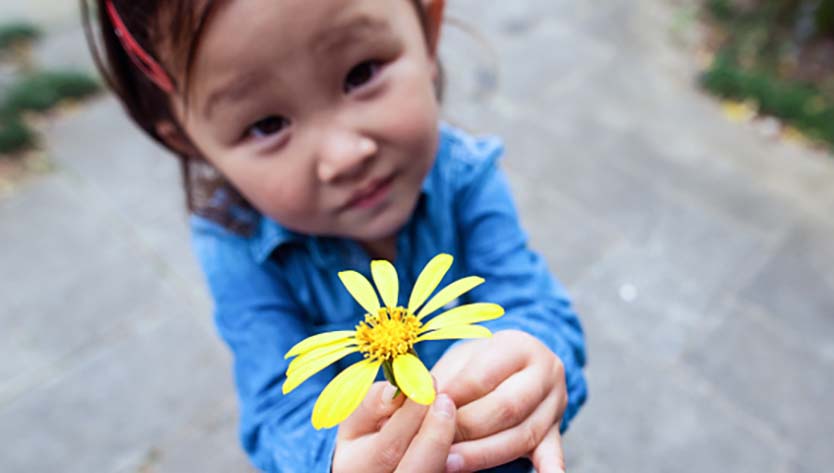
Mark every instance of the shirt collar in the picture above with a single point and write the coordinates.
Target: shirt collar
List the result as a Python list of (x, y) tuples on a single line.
[(270, 235), (326, 252)]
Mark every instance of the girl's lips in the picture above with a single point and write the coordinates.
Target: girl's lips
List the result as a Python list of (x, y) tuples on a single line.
[(372, 194)]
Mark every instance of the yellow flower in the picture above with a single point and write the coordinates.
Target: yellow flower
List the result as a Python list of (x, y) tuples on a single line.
[(386, 338)]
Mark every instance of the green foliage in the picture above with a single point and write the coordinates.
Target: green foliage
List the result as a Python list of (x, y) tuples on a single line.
[(14, 135), (721, 10), (43, 90), (37, 92), (758, 60), (12, 33), (799, 104), (824, 17), (783, 20)]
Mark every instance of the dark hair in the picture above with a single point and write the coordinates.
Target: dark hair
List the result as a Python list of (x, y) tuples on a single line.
[(148, 105)]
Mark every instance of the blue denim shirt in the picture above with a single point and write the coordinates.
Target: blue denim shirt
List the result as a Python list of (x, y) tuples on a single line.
[(275, 287)]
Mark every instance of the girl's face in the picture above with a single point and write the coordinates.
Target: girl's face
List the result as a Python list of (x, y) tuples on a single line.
[(321, 113)]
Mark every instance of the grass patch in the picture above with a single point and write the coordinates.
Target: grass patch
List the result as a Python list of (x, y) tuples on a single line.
[(15, 136), (43, 90), (800, 104), (759, 59), (14, 33), (34, 92), (37, 92)]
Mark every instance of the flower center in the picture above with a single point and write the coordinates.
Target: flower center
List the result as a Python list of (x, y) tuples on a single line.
[(388, 333)]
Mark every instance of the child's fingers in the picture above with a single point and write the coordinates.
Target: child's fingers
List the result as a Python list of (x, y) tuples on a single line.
[(507, 445), (373, 412), (480, 375), (548, 456), (392, 441), (430, 448), (507, 406)]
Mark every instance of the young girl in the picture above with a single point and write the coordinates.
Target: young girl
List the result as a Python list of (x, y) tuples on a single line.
[(310, 143)]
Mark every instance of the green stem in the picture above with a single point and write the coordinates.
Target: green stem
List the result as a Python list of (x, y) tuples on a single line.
[(388, 372)]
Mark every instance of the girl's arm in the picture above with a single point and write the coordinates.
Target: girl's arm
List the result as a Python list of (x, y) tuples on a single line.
[(256, 316), (494, 246), (519, 389)]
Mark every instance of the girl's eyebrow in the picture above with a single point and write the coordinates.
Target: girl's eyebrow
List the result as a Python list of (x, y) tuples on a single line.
[(235, 89), (343, 35), (326, 42)]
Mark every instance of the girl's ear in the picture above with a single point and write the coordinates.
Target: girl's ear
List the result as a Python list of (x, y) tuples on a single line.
[(175, 139), (434, 16)]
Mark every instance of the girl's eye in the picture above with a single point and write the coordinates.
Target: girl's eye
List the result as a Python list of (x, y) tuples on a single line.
[(361, 74), (267, 126)]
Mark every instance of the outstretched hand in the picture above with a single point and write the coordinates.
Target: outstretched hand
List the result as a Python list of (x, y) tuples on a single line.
[(511, 395), (388, 434)]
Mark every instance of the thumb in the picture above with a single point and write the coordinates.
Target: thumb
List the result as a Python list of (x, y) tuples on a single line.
[(548, 456), (373, 412)]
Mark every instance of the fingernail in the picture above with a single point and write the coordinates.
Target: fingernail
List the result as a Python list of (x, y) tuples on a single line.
[(444, 406), (388, 393), (365, 145), (454, 463)]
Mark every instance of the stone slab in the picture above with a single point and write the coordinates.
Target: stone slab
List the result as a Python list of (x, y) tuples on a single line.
[(796, 285), (110, 410), (643, 416), (73, 280), (781, 382)]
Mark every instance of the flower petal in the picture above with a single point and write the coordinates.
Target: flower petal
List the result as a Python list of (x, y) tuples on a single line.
[(361, 290), (303, 372), (342, 395), (385, 278), (457, 331), (316, 341), (428, 280), (319, 352), (449, 293), (465, 314), (414, 379)]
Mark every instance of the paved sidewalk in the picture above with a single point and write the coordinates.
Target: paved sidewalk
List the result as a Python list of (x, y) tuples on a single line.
[(698, 251)]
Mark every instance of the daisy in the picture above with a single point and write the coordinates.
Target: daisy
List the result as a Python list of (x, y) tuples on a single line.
[(386, 338)]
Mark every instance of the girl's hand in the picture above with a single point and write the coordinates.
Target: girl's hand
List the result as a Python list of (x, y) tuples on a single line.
[(387, 434), (511, 394)]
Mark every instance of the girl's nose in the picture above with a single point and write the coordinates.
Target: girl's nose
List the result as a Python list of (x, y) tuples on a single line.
[(344, 155)]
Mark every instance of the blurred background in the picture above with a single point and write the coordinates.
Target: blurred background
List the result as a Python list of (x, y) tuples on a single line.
[(670, 158)]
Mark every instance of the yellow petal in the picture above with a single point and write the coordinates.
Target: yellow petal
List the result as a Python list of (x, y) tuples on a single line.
[(428, 280), (449, 293), (316, 341), (414, 379), (303, 372), (361, 290), (465, 314), (319, 352), (457, 331), (342, 395), (385, 278)]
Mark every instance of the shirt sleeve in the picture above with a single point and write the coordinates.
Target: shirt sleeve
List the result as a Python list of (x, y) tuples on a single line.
[(256, 316), (496, 248)]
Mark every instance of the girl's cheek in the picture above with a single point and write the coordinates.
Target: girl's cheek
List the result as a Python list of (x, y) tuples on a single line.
[(416, 113), (290, 198)]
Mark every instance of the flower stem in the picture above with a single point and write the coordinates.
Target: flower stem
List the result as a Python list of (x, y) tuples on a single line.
[(388, 372)]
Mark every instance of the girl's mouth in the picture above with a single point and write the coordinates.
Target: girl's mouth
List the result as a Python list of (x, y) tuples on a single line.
[(372, 194)]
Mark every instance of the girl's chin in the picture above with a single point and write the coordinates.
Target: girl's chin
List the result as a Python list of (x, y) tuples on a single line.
[(382, 225)]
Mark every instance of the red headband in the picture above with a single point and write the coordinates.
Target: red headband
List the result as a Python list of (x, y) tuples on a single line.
[(140, 58)]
